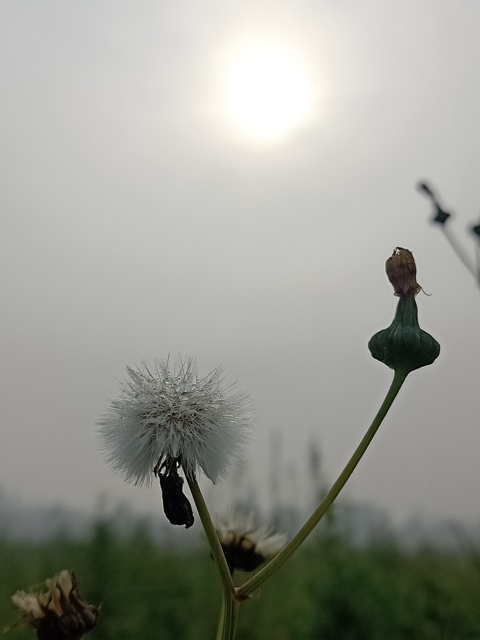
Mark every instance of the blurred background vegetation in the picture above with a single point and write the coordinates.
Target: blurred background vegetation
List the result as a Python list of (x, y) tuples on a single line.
[(333, 589)]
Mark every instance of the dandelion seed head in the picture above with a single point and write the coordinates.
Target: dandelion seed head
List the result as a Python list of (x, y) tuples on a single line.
[(168, 412)]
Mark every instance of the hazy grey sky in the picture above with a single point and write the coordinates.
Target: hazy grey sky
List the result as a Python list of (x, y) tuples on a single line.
[(138, 222)]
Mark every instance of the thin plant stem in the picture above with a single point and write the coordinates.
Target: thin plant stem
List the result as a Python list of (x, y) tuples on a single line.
[(211, 534), (229, 628), (229, 609), (221, 619), (225, 630), (248, 587), (459, 250), (477, 258)]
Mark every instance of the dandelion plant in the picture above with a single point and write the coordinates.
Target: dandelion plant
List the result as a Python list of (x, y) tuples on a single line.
[(170, 423)]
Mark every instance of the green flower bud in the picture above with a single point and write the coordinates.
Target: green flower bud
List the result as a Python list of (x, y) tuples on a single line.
[(404, 346)]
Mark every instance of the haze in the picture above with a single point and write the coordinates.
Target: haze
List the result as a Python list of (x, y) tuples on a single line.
[(136, 223)]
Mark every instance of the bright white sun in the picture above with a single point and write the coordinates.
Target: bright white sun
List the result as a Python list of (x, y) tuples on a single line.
[(268, 91)]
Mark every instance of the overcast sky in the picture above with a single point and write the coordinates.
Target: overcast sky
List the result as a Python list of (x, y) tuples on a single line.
[(139, 219)]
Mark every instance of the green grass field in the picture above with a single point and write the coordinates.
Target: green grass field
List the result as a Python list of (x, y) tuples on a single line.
[(329, 591)]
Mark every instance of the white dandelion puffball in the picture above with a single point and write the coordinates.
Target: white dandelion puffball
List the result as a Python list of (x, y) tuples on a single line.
[(168, 413)]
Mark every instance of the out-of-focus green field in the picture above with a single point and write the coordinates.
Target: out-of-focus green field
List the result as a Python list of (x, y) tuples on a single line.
[(329, 591)]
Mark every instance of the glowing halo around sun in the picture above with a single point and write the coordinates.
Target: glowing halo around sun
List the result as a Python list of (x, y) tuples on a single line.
[(268, 92)]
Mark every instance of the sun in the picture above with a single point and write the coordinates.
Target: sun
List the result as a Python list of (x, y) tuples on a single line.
[(268, 91)]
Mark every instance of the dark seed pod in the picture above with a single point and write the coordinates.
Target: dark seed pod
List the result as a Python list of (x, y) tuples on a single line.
[(176, 506)]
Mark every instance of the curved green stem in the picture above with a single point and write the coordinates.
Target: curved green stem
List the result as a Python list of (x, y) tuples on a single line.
[(253, 583), (229, 610)]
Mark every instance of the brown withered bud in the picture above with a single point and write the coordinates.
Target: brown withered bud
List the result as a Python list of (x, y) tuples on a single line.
[(176, 505), (59, 613), (402, 273)]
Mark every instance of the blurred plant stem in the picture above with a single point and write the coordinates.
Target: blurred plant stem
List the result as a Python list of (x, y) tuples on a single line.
[(460, 251), (477, 262), (230, 604), (248, 587), (441, 217)]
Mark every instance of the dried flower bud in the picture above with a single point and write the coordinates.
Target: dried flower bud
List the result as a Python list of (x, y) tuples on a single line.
[(404, 346), (402, 272), (176, 505), (59, 613)]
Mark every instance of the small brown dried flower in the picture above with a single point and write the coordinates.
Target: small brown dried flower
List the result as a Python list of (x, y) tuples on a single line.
[(402, 272), (59, 613)]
